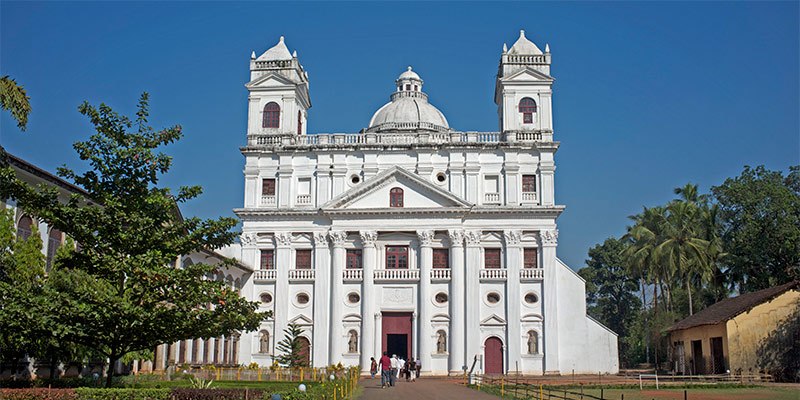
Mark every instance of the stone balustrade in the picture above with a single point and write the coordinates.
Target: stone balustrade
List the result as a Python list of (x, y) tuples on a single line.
[(529, 197), (492, 274), (396, 275), (303, 200), (301, 274), (263, 275), (440, 274), (492, 198), (434, 135), (531, 274), (353, 275), (268, 201)]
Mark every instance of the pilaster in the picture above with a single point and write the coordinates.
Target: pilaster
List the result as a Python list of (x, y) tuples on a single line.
[(549, 241), (472, 292), (513, 252), (337, 337), (368, 300), (321, 300), (425, 313), (283, 262), (457, 302)]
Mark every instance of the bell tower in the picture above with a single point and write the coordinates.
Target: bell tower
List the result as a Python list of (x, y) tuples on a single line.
[(279, 98), (524, 88)]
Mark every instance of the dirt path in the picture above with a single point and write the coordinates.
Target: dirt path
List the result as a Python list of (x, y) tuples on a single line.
[(422, 389)]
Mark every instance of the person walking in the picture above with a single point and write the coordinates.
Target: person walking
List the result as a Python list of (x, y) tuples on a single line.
[(401, 364), (373, 367), (418, 366), (411, 370), (395, 370), (386, 369)]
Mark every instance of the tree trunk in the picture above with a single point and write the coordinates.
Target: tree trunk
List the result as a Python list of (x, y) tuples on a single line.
[(689, 291), (112, 360)]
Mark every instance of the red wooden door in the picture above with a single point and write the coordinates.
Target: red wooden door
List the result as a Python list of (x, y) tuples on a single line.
[(305, 351), (397, 324), (493, 356)]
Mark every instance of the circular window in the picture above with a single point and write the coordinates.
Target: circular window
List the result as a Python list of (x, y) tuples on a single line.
[(493, 298), (302, 298), (441, 177), (531, 298), (441, 297), (353, 298), (355, 179), (266, 298)]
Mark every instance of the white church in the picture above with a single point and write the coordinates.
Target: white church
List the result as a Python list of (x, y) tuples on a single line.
[(410, 236)]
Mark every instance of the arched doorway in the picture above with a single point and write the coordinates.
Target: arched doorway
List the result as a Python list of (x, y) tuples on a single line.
[(493, 356), (305, 351)]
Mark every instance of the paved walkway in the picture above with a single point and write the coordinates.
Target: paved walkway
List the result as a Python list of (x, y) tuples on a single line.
[(422, 389)]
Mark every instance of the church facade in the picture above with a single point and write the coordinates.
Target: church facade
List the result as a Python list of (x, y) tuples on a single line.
[(410, 236)]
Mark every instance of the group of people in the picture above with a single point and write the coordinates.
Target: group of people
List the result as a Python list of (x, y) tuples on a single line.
[(393, 368)]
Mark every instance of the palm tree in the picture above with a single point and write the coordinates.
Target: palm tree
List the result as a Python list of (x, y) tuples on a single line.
[(683, 248)]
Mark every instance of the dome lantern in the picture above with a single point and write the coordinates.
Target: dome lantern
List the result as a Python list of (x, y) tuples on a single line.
[(408, 110)]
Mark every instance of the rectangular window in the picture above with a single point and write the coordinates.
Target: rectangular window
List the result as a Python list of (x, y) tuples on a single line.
[(530, 256), (354, 259), (491, 184), (302, 259), (268, 187), (491, 258), (397, 257), (268, 259), (441, 258), (304, 186), (527, 118), (528, 183)]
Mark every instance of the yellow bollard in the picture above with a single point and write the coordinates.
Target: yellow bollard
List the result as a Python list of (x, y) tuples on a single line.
[(301, 374), (238, 374), (502, 387), (219, 371), (541, 392), (259, 374)]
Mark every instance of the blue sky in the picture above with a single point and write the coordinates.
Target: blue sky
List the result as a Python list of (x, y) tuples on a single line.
[(648, 96)]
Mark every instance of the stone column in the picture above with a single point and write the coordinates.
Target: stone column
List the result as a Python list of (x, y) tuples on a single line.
[(321, 299), (368, 299), (549, 240), (378, 335), (337, 336), (472, 292), (283, 262), (457, 301), (513, 252), (414, 350), (425, 312)]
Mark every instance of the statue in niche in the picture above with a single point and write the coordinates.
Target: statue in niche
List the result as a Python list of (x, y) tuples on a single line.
[(533, 343), (352, 344), (263, 344), (441, 343)]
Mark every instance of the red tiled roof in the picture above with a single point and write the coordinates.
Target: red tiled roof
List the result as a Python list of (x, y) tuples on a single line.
[(731, 307)]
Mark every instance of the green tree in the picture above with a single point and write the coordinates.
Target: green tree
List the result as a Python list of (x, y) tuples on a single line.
[(291, 347), (14, 99), (610, 290), (760, 213), (122, 292)]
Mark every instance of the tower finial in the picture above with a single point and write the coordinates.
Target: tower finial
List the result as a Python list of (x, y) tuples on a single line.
[(294, 54), (522, 33), (547, 48), (253, 55), (281, 39), (409, 68), (505, 48)]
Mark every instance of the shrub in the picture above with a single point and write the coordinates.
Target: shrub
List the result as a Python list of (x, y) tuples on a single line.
[(215, 394), (122, 394), (38, 394)]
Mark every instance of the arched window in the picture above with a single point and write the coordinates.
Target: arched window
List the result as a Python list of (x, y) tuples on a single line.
[(527, 107), (299, 122), (396, 197), (53, 243), (533, 342), (24, 227), (272, 115), (263, 343)]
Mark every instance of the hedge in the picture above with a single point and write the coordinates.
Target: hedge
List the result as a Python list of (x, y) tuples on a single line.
[(122, 394), (38, 394)]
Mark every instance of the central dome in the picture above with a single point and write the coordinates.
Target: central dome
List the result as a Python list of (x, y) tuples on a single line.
[(409, 109)]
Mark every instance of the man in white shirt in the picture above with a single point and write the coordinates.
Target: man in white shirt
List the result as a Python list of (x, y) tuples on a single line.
[(401, 363), (395, 370)]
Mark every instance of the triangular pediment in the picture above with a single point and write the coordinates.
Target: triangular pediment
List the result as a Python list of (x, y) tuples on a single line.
[(494, 320), (527, 75), (270, 80), (374, 193), (301, 320)]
